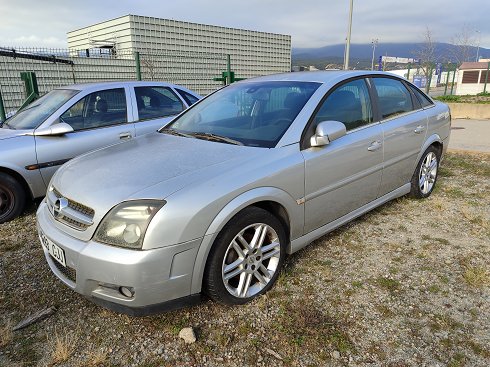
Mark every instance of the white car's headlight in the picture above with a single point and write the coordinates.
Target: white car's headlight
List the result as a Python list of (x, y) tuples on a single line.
[(125, 224)]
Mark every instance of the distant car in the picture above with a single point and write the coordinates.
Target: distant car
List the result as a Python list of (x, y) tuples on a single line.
[(72, 120), (215, 200)]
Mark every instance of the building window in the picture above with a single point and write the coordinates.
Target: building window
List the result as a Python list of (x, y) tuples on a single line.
[(484, 77), (470, 76)]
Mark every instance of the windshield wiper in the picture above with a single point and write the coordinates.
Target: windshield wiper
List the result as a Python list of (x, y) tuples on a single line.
[(174, 132), (214, 137)]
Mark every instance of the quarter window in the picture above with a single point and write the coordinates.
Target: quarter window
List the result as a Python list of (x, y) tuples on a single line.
[(349, 104), (189, 98), (394, 99), (155, 102), (424, 101), (98, 109)]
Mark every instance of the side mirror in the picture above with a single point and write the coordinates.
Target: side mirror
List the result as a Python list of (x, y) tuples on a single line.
[(60, 128), (326, 132)]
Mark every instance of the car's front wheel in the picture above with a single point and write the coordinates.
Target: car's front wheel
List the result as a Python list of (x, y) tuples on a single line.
[(246, 257), (425, 175), (12, 198)]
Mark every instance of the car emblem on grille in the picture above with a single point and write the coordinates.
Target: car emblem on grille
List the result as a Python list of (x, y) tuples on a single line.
[(59, 206)]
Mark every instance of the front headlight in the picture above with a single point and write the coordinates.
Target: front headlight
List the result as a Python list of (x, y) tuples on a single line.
[(125, 224)]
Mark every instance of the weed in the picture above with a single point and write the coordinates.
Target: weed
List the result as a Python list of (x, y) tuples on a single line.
[(6, 334), (476, 276), (62, 347), (389, 284)]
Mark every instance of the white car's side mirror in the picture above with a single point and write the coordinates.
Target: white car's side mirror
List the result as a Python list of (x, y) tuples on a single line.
[(326, 132), (60, 128)]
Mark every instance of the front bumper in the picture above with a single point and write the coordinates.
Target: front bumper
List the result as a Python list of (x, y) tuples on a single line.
[(97, 271)]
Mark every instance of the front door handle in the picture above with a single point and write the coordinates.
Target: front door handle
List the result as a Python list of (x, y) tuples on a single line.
[(419, 129), (375, 145), (126, 135)]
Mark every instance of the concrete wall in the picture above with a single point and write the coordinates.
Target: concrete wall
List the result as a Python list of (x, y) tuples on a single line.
[(474, 111)]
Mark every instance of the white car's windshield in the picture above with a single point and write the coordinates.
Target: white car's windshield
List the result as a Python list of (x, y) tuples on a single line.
[(250, 113), (34, 114)]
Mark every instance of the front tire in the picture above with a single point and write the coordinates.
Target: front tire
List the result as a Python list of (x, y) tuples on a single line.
[(425, 175), (12, 198), (246, 257)]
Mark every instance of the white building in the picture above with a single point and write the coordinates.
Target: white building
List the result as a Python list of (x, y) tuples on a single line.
[(252, 53), (473, 77)]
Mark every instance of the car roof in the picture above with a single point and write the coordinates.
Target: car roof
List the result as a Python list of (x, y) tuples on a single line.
[(119, 84), (318, 76)]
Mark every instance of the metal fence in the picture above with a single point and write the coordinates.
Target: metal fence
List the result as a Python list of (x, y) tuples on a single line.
[(59, 67)]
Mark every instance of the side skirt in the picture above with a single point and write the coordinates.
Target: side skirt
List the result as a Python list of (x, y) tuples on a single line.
[(306, 239)]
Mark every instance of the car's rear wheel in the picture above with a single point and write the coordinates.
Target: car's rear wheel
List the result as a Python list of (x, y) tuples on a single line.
[(425, 175), (12, 198), (246, 257)]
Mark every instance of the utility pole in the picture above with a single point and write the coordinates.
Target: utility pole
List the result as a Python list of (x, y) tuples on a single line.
[(375, 43), (349, 30)]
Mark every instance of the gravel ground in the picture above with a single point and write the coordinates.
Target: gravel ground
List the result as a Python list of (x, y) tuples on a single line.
[(405, 285)]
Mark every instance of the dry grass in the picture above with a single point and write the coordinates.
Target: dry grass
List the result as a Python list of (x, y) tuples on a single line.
[(6, 334), (96, 357), (62, 347), (476, 276)]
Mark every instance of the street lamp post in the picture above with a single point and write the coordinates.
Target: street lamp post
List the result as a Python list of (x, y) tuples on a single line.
[(375, 43), (347, 46)]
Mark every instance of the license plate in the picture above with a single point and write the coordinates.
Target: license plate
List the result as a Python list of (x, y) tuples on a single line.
[(54, 250)]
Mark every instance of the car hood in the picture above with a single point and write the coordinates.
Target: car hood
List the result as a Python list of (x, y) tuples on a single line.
[(6, 133), (106, 177)]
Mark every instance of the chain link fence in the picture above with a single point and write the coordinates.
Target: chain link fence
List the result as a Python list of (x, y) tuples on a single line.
[(58, 67)]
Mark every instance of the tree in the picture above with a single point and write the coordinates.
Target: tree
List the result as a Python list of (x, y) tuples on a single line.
[(426, 54), (464, 45)]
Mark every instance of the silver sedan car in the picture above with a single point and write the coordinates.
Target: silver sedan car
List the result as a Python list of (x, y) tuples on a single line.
[(72, 120), (214, 201)]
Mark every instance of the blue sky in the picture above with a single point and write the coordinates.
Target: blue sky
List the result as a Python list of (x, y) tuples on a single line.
[(313, 23)]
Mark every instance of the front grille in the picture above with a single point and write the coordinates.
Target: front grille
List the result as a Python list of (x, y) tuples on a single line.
[(68, 272), (81, 211), (76, 206)]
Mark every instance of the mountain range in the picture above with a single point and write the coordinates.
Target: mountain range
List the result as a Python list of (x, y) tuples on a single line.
[(362, 53)]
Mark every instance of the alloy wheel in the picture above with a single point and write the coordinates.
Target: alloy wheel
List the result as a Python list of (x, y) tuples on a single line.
[(251, 260), (428, 173)]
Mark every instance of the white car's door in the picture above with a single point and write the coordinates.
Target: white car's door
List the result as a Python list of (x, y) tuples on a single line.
[(98, 119), (345, 174), (404, 125)]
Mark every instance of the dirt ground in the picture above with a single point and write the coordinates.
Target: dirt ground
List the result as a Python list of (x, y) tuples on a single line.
[(405, 285)]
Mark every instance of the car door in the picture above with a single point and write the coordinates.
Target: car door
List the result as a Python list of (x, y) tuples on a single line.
[(98, 119), (345, 174), (404, 125), (156, 106)]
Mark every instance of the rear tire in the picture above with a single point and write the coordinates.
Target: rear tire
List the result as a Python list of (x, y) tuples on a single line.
[(246, 257), (425, 176), (12, 198)]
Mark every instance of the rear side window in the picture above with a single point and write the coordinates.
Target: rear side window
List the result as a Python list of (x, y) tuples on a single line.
[(349, 104), (189, 98), (155, 102), (424, 101), (393, 97)]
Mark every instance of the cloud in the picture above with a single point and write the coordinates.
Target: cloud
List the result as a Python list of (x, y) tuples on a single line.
[(311, 24)]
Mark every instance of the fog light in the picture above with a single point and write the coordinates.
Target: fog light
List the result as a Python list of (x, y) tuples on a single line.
[(126, 292)]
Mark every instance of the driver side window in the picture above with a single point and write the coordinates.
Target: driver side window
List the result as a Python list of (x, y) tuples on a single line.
[(98, 109), (349, 104)]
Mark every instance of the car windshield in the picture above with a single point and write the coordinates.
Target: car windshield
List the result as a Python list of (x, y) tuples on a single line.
[(34, 114), (248, 113)]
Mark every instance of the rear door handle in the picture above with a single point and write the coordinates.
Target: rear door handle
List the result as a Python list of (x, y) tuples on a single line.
[(375, 145), (126, 135), (419, 129)]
